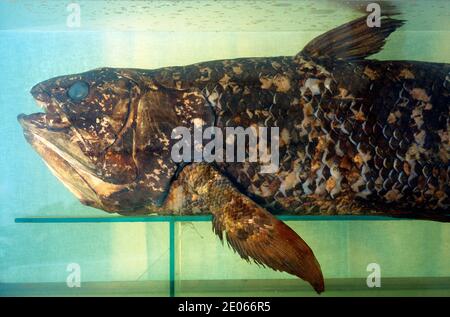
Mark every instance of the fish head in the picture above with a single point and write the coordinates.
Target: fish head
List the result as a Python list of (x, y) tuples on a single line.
[(97, 135), (94, 104)]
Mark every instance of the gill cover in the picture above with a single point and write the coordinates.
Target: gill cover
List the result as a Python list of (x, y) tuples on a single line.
[(146, 137)]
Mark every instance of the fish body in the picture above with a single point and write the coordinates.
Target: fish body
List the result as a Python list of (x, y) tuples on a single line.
[(353, 136)]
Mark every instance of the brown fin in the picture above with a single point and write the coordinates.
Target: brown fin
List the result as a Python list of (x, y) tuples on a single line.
[(250, 230), (351, 41), (256, 234)]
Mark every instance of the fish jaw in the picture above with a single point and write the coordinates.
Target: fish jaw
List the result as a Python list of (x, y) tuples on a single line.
[(61, 153)]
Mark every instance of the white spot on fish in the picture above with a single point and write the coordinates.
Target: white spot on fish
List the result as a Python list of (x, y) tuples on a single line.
[(313, 85)]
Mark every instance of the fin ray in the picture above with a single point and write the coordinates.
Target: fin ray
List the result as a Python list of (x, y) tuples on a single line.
[(351, 41)]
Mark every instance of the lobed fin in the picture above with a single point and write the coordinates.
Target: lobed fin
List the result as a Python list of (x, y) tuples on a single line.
[(249, 229), (256, 234)]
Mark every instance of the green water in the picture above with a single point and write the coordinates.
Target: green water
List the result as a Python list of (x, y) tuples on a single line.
[(133, 258)]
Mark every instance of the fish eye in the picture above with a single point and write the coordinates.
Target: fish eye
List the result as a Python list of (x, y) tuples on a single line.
[(78, 91)]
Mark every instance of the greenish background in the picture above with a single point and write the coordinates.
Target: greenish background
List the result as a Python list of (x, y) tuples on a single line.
[(133, 258)]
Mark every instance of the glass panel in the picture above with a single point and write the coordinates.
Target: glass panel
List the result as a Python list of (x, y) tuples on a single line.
[(113, 259), (133, 257), (412, 256)]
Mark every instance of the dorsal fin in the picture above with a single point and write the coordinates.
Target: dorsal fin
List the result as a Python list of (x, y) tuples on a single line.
[(354, 40)]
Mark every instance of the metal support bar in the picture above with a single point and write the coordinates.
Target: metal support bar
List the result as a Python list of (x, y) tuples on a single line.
[(172, 257)]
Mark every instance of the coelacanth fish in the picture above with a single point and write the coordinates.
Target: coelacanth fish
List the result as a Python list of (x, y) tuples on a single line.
[(357, 136)]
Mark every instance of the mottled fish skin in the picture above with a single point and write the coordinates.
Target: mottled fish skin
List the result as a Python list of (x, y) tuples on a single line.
[(355, 137)]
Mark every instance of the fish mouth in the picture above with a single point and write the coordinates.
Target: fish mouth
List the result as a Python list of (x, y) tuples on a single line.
[(52, 136), (52, 118)]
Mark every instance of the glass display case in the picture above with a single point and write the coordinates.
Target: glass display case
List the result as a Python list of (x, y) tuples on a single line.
[(167, 256), (51, 244)]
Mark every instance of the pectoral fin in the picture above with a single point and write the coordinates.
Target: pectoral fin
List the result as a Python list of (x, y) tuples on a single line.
[(256, 234), (249, 229)]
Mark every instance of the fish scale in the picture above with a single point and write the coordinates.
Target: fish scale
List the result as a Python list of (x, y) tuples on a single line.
[(377, 135)]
